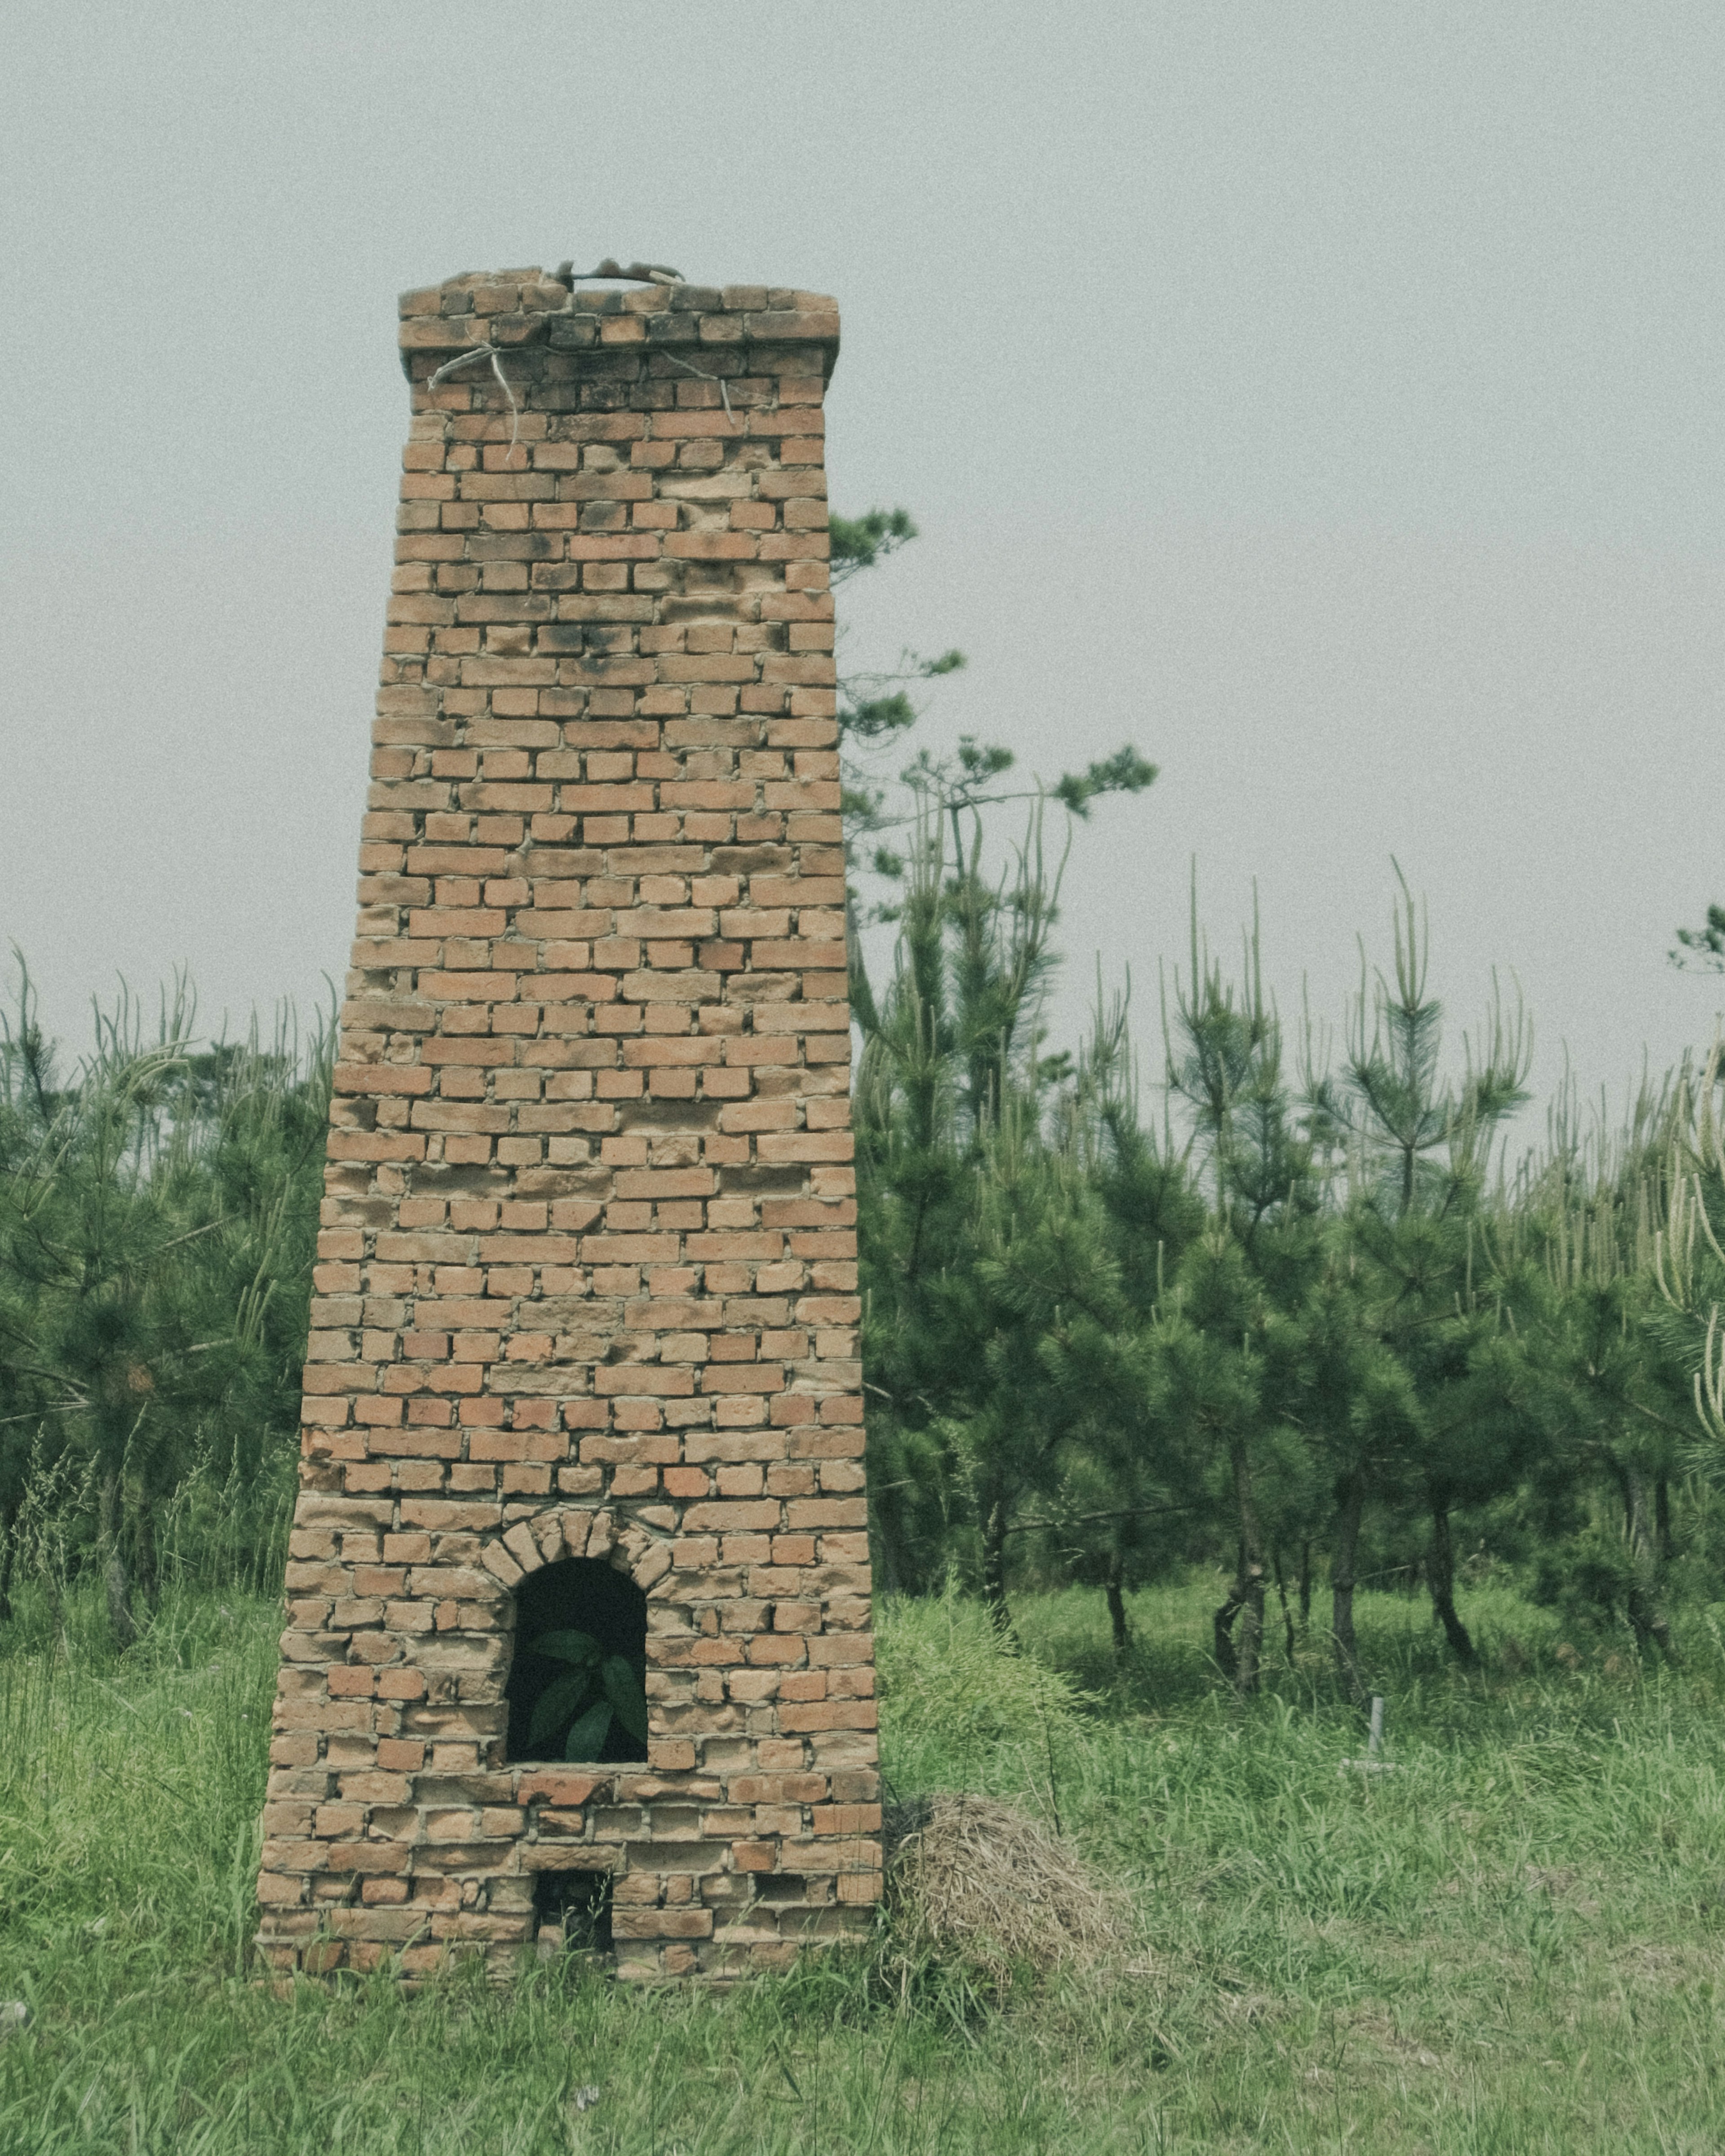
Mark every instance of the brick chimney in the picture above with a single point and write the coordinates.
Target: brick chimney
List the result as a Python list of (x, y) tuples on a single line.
[(585, 1288)]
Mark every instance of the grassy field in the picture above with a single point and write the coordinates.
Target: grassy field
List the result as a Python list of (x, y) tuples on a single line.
[(1511, 1943)]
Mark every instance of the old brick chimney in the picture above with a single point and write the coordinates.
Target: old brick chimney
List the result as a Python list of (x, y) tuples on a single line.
[(585, 1288)]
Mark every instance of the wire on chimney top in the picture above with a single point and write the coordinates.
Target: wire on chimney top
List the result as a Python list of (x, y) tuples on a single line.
[(638, 273), (491, 351), (724, 392), (483, 352)]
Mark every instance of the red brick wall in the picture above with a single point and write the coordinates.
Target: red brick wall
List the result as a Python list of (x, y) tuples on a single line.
[(587, 1276)]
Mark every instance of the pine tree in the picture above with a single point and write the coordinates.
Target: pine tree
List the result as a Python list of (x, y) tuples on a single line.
[(1418, 1151), (950, 1093), (1230, 1340), (1614, 1389), (157, 1220)]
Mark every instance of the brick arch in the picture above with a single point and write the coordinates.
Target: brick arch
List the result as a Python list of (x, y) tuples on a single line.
[(553, 1537), (565, 1531)]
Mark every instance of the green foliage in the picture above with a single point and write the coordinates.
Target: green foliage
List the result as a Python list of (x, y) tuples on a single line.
[(862, 542), (1125, 772), (577, 1710), (158, 1215), (1590, 1577), (1704, 947), (1303, 1311), (877, 709)]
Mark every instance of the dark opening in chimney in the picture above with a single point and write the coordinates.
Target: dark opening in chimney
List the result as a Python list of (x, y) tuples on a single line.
[(576, 1688)]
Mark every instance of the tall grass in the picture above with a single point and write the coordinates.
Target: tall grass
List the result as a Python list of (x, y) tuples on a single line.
[(1510, 1943)]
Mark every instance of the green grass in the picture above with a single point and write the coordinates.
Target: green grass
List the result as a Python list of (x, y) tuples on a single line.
[(1512, 1943)]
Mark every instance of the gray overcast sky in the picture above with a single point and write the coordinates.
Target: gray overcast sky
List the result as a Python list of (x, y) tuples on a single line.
[(1325, 396)]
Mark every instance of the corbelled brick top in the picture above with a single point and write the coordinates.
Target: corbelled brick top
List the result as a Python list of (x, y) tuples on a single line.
[(586, 1282), (518, 306)]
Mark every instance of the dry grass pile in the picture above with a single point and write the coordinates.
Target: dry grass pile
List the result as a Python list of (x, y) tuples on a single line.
[(973, 1880)]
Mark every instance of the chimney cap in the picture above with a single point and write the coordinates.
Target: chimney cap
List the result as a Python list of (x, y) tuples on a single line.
[(469, 306)]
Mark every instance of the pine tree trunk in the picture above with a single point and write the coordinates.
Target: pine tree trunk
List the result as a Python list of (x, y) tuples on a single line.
[(1246, 1594), (1440, 1575), (1222, 1629), (1248, 1668), (1304, 1584), (1645, 1610), (1289, 1638), (1662, 1519), (121, 1620), (994, 1565), (1341, 1578), (1116, 1603)]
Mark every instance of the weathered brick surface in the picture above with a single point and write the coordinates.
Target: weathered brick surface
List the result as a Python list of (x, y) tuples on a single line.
[(586, 1283)]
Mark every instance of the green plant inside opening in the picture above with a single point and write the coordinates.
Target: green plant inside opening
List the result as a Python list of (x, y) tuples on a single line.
[(577, 1682), (573, 1716)]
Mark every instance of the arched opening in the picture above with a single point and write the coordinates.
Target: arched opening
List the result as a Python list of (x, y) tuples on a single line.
[(576, 1688)]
